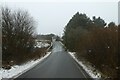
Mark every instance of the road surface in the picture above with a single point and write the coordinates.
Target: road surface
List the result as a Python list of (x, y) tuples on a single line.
[(58, 65)]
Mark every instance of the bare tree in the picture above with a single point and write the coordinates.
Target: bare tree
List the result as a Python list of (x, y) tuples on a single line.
[(17, 29)]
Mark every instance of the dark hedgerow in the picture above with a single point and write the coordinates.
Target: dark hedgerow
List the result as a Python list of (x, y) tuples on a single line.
[(94, 41)]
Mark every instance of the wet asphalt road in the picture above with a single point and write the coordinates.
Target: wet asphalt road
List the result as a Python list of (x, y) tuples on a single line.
[(58, 65)]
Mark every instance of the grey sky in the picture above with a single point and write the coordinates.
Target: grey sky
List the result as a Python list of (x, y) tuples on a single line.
[(51, 17), (119, 12)]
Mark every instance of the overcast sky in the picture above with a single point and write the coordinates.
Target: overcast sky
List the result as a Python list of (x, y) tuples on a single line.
[(51, 17)]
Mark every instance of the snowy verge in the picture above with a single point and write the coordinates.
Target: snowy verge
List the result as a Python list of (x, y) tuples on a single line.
[(88, 68), (17, 70)]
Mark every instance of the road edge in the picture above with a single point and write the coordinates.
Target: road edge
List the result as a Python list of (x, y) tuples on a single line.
[(85, 72), (45, 57), (76, 60)]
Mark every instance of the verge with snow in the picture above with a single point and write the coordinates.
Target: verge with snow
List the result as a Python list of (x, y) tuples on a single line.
[(87, 67), (17, 70)]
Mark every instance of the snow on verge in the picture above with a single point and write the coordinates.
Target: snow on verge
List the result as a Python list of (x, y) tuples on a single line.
[(16, 70), (89, 69)]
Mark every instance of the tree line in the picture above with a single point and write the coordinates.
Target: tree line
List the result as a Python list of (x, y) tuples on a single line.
[(45, 37), (94, 40)]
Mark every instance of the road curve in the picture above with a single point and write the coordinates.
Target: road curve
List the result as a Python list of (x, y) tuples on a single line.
[(58, 65)]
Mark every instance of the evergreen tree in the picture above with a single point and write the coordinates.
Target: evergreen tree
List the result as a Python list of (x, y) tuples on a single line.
[(98, 22)]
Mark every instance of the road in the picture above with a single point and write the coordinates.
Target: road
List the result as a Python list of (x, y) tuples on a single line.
[(58, 65)]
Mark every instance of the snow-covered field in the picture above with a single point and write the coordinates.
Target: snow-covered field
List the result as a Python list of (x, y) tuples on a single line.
[(17, 70), (42, 44), (87, 67)]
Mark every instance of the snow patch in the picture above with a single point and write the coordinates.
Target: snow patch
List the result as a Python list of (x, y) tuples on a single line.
[(17, 70), (88, 68), (42, 44), (0, 74)]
